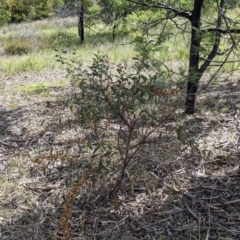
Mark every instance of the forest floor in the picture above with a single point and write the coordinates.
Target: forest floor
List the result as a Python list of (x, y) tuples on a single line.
[(173, 194)]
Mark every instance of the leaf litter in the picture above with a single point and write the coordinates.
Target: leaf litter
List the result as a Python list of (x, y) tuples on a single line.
[(167, 193)]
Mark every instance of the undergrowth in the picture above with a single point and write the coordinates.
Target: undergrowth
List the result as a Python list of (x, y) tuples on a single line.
[(119, 110)]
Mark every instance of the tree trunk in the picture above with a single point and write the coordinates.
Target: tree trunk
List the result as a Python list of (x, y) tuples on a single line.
[(194, 74), (114, 32), (114, 27), (81, 23)]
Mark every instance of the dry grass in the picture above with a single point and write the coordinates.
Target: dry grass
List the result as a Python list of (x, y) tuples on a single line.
[(170, 190), (168, 193)]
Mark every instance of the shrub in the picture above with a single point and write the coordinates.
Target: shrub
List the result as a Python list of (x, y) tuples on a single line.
[(119, 109)]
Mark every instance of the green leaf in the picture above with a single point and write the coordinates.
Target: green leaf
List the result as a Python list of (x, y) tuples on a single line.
[(106, 154), (94, 156), (42, 122), (95, 150)]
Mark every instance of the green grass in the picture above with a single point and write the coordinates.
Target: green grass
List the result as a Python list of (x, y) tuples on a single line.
[(33, 47), (33, 62), (39, 88), (37, 61), (30, 47), (33, 50)]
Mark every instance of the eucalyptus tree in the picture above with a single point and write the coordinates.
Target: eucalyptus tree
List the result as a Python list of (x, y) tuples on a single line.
[(213, 32)]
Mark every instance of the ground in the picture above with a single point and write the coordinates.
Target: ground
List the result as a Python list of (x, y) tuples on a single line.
[(173, 193)]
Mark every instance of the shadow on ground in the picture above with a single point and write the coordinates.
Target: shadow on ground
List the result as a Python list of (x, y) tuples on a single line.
[(169, 194)]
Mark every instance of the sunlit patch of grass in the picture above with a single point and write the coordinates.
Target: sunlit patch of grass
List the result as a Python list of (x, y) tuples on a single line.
[(59, 37), (39, 88), (35, 62), (58, 22), (26, 63), (36, 51), (15, 46), (122, 53), (38, 40), (47, 36)]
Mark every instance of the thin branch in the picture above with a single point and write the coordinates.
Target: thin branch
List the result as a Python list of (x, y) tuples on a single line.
[(220, 67), (180, 13), (216, 44), (220, 30)]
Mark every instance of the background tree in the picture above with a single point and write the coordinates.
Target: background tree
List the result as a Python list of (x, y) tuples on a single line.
[(211, 29), (86, 11), (13, 11), (80, 14)]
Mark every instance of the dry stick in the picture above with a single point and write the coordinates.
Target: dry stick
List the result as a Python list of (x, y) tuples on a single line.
[(191, 212), (109, 230), (225, 203), (127, 159), (232, 231), (7, 145), (171, 212), (209, 217), (209, 223), (217, 71)]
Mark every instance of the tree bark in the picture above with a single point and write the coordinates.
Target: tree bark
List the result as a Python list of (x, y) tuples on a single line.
[(81, 23), (194, 74), (114, 32)]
